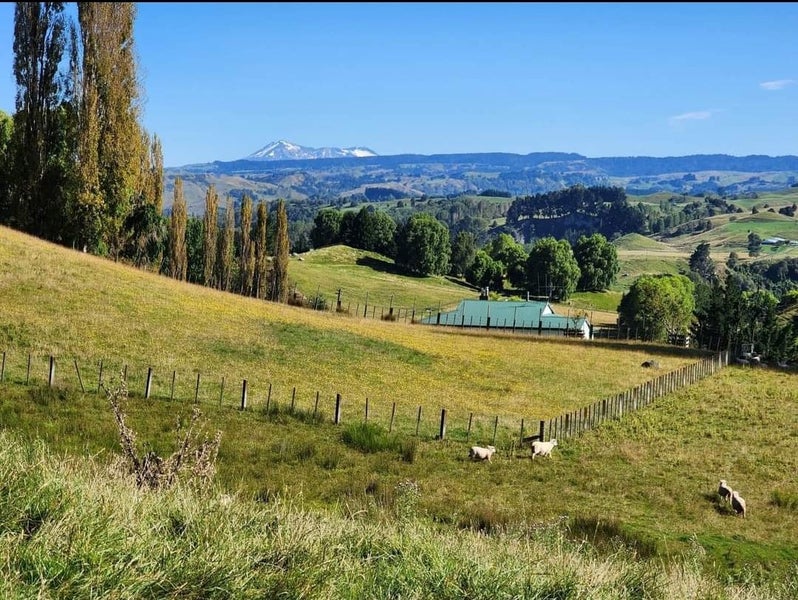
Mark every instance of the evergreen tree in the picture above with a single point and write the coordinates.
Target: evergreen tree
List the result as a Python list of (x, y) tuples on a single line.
[(279, 279), (226, 255), (41, 143), (464, 249), (598, 262), (701, 262), (194, 251), (423, 246), (247, 250), (261, 253), (210, 227), (178, 256)]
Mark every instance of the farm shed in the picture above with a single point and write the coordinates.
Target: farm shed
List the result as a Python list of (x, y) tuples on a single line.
[(530, 316)]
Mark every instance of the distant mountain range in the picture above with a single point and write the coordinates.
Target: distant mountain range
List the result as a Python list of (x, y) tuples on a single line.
[(282, 150), (328, 175)]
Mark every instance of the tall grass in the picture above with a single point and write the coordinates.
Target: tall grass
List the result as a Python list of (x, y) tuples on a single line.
[(78, 529)]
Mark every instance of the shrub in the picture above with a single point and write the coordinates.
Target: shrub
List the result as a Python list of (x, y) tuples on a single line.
[(195, 455)]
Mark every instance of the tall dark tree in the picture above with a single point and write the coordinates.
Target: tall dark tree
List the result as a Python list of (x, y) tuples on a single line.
[(210, 233), (261, 252), (194, 253), (512, 257), (41, 144), (701, 262), (464, 249), (6, 132), (754, 244), (279, 279)]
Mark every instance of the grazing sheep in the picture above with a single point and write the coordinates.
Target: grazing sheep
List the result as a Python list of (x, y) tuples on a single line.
[(650, 364), (724, 491), (480, 453), (543, 448), (738, 504)]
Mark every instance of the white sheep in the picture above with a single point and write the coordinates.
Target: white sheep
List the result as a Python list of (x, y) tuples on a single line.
[(480, 453), (724, 491), (738, 504), (543, 448)]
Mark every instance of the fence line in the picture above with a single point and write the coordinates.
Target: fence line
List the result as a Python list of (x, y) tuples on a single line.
[(454, 425)]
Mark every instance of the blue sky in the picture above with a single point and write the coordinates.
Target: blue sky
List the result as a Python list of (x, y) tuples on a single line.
[(599, 79)]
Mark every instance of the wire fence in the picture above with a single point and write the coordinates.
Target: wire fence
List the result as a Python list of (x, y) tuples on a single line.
[(313, 406)]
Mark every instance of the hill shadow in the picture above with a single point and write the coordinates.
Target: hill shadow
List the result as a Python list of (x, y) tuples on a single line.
[(381, 265)]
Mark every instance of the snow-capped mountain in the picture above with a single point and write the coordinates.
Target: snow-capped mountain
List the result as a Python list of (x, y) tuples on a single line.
[(283, 150)]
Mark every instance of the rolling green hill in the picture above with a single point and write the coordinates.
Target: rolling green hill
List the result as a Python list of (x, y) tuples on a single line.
[(645, 482)]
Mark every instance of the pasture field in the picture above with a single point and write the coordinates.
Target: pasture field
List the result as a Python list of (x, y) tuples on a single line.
[(646, 482), (77, 307), (369, 279)]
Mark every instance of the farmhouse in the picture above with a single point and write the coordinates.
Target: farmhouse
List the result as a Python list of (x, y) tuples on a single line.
[(530, 316)]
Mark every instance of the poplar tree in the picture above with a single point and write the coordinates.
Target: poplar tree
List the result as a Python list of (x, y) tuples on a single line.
[(40, 145), (226, 256), (110, 80), (178, 257), (247, 256), (210, 227), (261, 253), (279, 279)]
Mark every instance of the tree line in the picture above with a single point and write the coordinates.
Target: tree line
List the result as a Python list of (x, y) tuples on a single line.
[(423, 245)]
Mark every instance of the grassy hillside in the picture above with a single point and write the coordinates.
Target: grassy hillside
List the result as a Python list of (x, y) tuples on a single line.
[(366, 278), (645, 482), (121, 543)]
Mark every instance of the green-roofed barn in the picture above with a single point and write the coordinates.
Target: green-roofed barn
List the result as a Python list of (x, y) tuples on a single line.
[(525, 315)]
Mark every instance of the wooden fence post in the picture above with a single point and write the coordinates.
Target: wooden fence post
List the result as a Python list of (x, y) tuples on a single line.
[(366, 419), (27, 374), (542, 430), (196, 389), (51, 377), (148, 385), (468, 433), (244, 395), (172, 392), (100, 377), (3, 368), (442, 431), (418, 420), (337, 417), (221, 392), (393, 414), (495, 427), (293, 399), (521, 437), (269, 399), (80, 380), (124, 373), (316, 406)]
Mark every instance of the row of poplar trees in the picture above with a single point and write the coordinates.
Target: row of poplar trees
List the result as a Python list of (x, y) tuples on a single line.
[(231, 258), (76, 159), (78, 168)]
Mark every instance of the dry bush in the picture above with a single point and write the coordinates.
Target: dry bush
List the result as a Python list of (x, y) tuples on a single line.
[(194, 459)]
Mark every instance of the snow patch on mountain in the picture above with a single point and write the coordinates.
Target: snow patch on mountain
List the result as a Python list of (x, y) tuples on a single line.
[(284, 150)]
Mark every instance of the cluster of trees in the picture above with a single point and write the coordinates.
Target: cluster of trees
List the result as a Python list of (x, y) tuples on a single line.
[(244, 255), (747, 305), (423, 245), (79, 168)]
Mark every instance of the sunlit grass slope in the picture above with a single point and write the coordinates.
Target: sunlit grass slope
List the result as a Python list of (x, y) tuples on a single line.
[(75, 530), (55, 301), (368, 278)]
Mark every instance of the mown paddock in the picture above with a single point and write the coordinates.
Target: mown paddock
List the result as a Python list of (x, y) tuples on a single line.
[(446, 424)]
